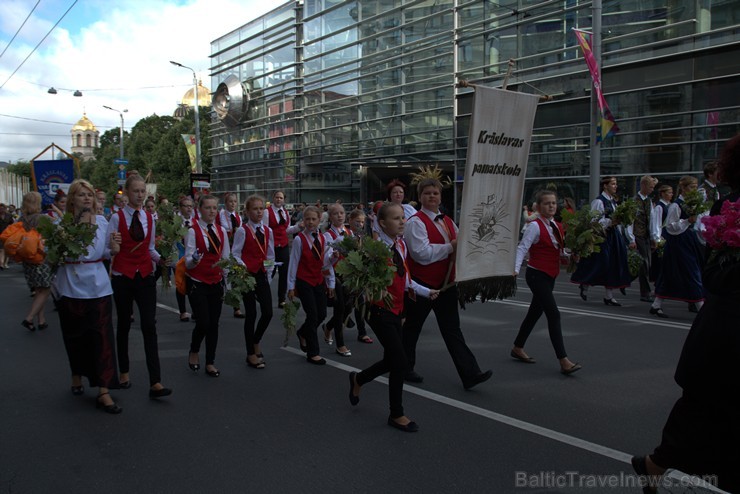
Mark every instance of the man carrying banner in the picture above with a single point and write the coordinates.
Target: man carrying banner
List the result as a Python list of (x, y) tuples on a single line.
[(431, 238)]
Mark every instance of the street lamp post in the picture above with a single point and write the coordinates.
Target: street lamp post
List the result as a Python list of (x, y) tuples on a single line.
[(198, 168), (120, 112)]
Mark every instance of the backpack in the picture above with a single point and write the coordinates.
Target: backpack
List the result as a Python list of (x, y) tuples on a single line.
[(11, 238), (31, 248)]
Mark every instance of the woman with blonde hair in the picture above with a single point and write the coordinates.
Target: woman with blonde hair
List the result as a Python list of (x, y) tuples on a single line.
[(38, 276), (86, 304)]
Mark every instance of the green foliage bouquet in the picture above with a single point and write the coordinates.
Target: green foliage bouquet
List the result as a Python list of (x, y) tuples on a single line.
[(694, 203), (238, 279), (634, 262), (625, 212), (367, 270), (65, 239), (288, 318), (583, 234), (170, 230)]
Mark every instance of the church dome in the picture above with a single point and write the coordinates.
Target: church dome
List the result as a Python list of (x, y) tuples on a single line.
[(204, 96), (84, 124)]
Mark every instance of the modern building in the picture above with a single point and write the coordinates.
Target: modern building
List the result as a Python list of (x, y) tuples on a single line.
[(84, 137), (330, 99)]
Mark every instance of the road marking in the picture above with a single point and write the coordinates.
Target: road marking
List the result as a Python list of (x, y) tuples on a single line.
[(497, 417), (603, 315)]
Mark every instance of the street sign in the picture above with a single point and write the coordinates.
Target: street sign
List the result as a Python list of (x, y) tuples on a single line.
[(121, 174)]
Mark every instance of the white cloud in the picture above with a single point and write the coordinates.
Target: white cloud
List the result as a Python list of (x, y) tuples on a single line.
[(125, 44)]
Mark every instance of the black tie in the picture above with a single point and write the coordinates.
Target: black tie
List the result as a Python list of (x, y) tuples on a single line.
[(282, 217), (187, 223), (137, 229), (398, 261), (260, 236), (234, 223), (215, 243), (440, 216), (556, 232), (317, 245)]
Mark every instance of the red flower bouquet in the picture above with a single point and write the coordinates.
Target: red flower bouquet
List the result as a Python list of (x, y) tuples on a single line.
[(722, 232)]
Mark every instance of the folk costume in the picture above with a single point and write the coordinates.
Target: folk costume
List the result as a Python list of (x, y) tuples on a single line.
[(342, 300), (205, 283), (254, 247), (310, 273), (279, 222), (133, 280)]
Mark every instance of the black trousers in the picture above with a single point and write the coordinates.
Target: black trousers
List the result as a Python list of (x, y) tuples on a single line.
[(360, 317), (448, 319), (341, 311), (542, 285), (206, 301), (282, 254), (387, 327), (313, 300), (143, 291), (700, 438), (262, 295), (643, 248)]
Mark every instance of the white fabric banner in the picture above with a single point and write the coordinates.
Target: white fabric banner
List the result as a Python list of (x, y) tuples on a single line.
[(498, 148)]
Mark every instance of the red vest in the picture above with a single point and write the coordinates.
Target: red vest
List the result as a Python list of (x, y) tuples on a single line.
[(397, 288), (205, 271), (253, 253), (230, 230), (433, 275), (132, 258), (543, 255), (280, 231), (309, 268)]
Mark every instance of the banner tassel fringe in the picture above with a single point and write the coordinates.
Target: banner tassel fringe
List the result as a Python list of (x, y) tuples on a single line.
[(483, 289)]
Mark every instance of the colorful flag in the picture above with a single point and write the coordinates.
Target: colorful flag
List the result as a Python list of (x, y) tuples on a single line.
[(190, 146), (607, 126)]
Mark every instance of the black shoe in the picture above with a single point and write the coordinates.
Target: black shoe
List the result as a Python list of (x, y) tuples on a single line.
[(692, 308), (193, 367), (281, 305), (413, 377), (213, 373), (482, 377), (258, 365), (648, 299), (46, 325), (527, 360), (353, 398), (159, 393), (113, 408), (575, 367), (658, 312), (77, 390), (28, 325), (350, 323), (623, 291), (582, 288), (238, 314), (320, 361), (611, 302), (125, 385), (410, 427)]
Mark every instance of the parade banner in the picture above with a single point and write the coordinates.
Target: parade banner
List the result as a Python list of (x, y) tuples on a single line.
[(48, 176), (607, 126), (190, 146), (498, 148)]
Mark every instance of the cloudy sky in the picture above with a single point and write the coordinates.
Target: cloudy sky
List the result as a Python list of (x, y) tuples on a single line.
[(116, 52)]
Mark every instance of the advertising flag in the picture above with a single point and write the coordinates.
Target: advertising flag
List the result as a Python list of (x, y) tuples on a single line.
[(190, 146), (607, 126)]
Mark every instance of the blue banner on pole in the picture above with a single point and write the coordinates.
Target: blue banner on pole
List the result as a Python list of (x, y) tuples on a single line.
[(51, 175)]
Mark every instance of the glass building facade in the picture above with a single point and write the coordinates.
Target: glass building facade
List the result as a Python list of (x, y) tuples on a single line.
[(342, 96)]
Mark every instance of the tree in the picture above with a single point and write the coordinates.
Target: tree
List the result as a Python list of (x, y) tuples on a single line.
[(22, 168)]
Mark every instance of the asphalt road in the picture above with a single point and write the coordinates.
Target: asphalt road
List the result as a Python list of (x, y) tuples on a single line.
[(290, 428)]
